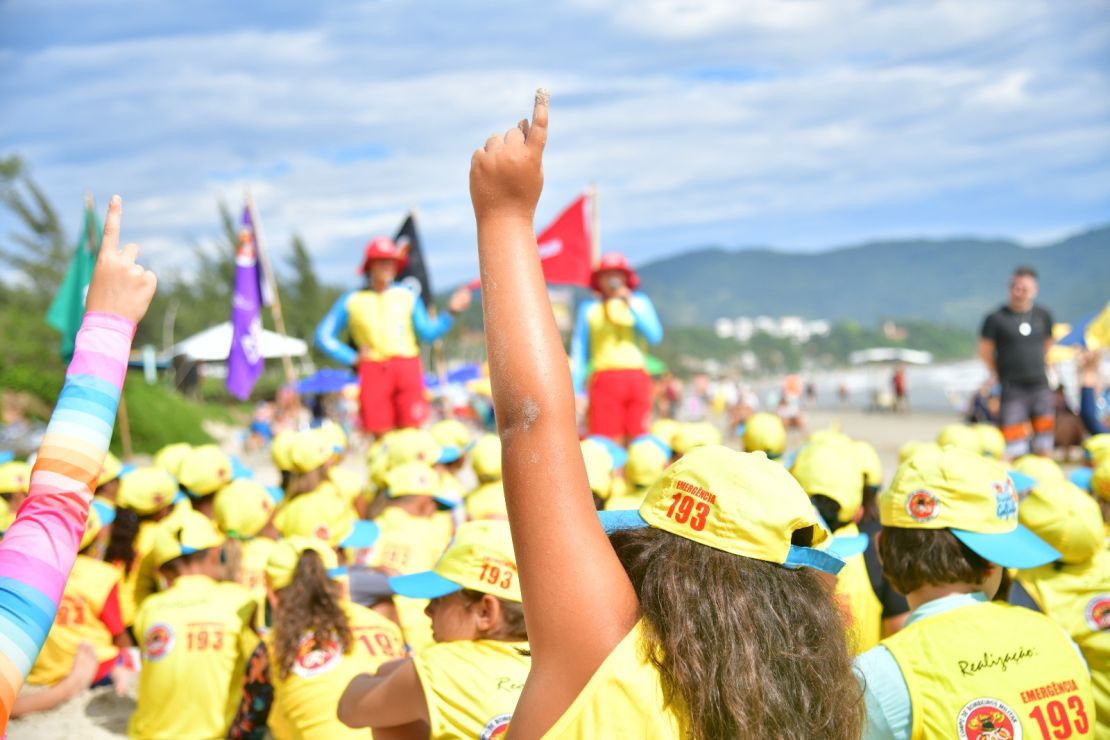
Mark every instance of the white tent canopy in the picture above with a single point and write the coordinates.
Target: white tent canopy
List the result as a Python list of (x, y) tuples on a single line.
[(885, 355), (214, 345)]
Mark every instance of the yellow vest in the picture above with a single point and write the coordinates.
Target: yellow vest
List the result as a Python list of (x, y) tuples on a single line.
[(992, 668), (624, 698), (613, 344), (90, 582), (252, 573), (862, 609), (381, 323), (195, 639), (305, 700), (1077, 597), (487, 501), (472, 686)]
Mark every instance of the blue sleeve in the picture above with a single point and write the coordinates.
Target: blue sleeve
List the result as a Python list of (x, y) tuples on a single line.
[(580, 347), (885, 695), (329, 329), (426, 328), (647, 321), (1088, 412)]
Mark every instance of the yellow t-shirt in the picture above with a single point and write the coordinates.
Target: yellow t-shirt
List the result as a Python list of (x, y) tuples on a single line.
[(613, 342), (305, 701), (1077, 597), (992, 668), (624, 698), (487, 501), (381, 323), (862, 609), (90, 583), (472, 686), (139, 580), (195, 639)]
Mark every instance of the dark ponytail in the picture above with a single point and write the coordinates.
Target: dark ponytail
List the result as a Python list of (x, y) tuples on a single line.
[(309, 605)]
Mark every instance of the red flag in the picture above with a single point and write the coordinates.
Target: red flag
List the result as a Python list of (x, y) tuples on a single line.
[(566, 251)]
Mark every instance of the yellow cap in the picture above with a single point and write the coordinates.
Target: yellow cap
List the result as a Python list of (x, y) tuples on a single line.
[(109, 469), (100, 516), (184, 534), (347, 482), (335, 433), (868, 458), (170, 457), (831, 469), (959, 435), (599, 467), (906, 451), (147, 490), (412, 446), (1064, 516), (377, 464), (205, 470), (666, 430), (1040, 468), (480, 558), (1097, 448), (286, 554), (311, 450), (765, 432), (15, 477), (646, 462), (451, 433), (828, 434), (242, 508), (485, 458), (694, 435), (281, 449), (324, 515), (412, 479), (991, 441), (1100, 480)]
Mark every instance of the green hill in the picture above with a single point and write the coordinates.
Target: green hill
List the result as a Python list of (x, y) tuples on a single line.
[(952, 281)]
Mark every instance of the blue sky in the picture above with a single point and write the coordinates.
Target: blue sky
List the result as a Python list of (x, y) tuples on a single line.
[(799, 124)]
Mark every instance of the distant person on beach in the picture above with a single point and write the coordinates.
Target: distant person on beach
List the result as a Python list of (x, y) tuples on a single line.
[(1012, 344), (898, 385)]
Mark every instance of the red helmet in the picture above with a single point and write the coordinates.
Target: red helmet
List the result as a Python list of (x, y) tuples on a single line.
[(381, 248), (614, 261)]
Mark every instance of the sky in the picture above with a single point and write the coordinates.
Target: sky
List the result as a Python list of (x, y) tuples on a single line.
[(797, 124)]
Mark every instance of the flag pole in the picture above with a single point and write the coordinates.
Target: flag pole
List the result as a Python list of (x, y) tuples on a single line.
[(121, 409), (439, 360), (595, 223), (271, 283)]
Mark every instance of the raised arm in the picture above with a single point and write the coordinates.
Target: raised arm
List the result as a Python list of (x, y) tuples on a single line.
[(580, 347), (329, 329), (578, 600), (39, 548), (647, 321)]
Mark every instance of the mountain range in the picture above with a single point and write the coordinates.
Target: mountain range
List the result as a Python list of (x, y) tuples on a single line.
[(950, 281)]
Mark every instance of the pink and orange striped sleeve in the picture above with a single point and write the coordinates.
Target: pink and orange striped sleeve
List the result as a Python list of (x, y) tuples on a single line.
[(39, 548)]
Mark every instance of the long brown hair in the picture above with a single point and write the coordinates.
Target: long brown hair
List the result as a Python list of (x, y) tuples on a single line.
[(744, 648), (309, 605)]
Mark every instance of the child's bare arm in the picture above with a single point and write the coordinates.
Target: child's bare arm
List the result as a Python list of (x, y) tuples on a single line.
[(578, 600)]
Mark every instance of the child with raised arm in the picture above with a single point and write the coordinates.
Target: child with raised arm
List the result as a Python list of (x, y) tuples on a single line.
[(39, 548), (695, 617)]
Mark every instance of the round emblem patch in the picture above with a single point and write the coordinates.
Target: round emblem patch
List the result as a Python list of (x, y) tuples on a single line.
[(157, 642), (496, 727), (1098, 612), (921, 505), (313, 660), (988, 719)]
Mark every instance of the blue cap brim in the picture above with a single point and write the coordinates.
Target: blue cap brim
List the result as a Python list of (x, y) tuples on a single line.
[(239, 470), (363, 534), (617, 454), (612, 521), (848, 546), (1082, 477), (105, 513), (6, 456), (426, 585), (179, 497), (1023, 483), (1017, 549), (449, 455), (666, 448), (276, 493), (126, 469), (788, 458)]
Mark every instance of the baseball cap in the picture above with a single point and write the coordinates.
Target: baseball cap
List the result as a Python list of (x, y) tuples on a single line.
[(665, 429), (695, 434), (170, 457), (1099, 483), (868, 458), (242, 508), (1040, 468), (453, 438), (413, 446), (618, 456), (15, 477), (991, 441), (828, 434), (325, 516), (1097, 448), (1066, 518), (970, 495), (831, 469), (100, 516), (485, 458), (110, 469), (187, 533), (764, 432), (479, 558), (335, 433), (312, 448), (907, 449), (281, 449), (147, 490), (416, 479), (647, 459), (285, 555), (347, 482), (204, 470), (959, 435), (738, 502), (599, 467)]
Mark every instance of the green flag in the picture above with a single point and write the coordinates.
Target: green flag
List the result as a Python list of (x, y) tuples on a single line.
[(68, 307)]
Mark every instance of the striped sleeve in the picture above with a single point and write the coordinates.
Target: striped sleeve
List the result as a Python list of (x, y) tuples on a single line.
[(39, 548)]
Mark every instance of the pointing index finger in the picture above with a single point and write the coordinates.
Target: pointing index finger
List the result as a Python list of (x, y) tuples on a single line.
[(537, 133), (110, 240)]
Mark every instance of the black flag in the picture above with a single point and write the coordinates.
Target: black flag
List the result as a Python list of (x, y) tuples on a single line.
[(415, 273)]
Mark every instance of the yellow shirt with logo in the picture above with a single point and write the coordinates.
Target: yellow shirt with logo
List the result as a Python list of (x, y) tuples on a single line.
[(992, 668), (381, 323), (624, 698), (862, 608), (305, 701), (195, 639), (1077, 597), (472, 686), (487, 501), (90, 583), (613, 341)]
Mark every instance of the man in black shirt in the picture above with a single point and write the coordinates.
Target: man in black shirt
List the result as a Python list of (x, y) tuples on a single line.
[(1013, 343)]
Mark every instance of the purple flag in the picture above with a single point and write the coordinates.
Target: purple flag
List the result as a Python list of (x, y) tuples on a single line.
[(244, 364)]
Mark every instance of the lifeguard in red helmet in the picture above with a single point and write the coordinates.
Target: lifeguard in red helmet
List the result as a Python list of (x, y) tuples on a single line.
[(386, 322), (610, 335)]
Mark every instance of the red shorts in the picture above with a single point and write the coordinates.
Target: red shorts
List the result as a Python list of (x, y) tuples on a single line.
[(391, 394), (620, 403)]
